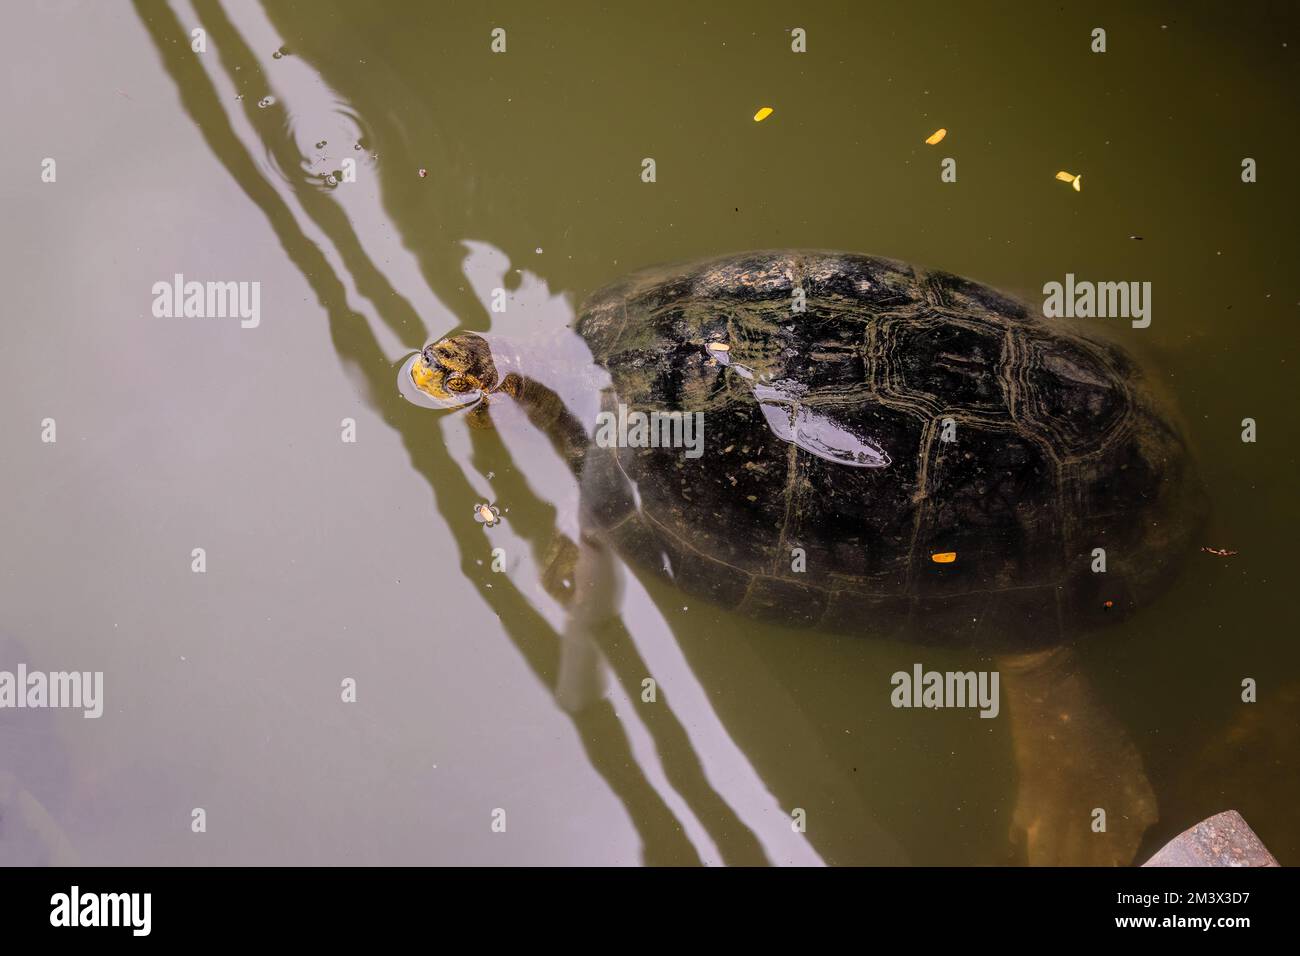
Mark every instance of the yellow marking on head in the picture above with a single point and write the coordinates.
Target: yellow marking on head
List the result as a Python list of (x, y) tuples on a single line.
[(421, 373)]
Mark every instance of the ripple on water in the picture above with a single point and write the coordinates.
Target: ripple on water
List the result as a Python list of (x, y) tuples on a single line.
[(324, 139)]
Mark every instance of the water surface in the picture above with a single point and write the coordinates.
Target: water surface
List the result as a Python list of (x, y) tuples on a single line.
[(329, 560)]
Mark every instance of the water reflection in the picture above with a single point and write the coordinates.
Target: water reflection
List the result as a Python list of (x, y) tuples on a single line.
[(393, 270), (596, 719), (813, 430)]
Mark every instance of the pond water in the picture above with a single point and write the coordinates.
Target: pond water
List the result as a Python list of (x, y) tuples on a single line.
[(378, 171)]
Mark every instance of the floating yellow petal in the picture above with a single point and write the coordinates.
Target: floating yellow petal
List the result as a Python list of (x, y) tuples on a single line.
[(1078, 183), (719, 347), (936, 137), (486, 514), (762, 114), (944, 557)]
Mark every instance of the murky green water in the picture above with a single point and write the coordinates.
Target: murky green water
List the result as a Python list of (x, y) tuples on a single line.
[(328, 560)]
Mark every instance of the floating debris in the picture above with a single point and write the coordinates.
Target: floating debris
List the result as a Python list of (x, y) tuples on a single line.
[(1108, 604), (423, 172), (489, 515), (944, 557), (935, 138), (1220, 552), (763, 114), (719, 347), (1072, 179), (266, 101), (1136, 237)]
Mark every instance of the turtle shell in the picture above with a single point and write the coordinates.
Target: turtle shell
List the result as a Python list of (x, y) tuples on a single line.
[(885, 451)]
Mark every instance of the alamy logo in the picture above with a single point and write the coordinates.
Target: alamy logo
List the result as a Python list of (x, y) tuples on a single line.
[(943, 689), (208, 300), (655, 430), (1098, 300), (36, 689), (75, 908)]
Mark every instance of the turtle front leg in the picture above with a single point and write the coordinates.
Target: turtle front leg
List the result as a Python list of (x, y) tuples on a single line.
[(479, 416), (1073, 759), (594, 605)]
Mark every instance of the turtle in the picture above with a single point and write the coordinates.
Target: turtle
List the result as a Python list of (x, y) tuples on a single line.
[(884, 451)]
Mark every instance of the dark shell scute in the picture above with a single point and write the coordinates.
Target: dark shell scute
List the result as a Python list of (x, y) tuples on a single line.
[(956, 292), (993, 497), (950, 364), (858, 523), (1074, 392), (756, 278), (882, 283)]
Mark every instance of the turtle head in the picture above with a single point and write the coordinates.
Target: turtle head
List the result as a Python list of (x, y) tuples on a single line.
[(455, 371)]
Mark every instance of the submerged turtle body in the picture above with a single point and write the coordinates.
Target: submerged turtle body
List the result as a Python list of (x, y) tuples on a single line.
[(900, 416)]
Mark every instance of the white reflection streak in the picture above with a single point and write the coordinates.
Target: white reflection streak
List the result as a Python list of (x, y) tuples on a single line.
[(303, 93), (727, 768)]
